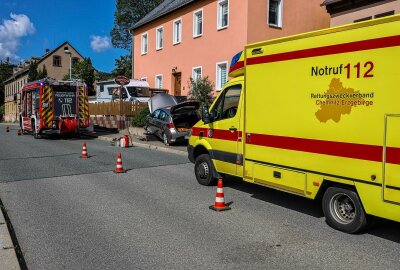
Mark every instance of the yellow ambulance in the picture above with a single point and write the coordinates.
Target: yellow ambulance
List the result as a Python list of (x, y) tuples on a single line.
[(316, 115)]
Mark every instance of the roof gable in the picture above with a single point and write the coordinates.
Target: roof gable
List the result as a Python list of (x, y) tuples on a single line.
[(166, 7)]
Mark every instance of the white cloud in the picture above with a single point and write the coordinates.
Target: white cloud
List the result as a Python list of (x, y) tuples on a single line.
[(100, 44), (11, 32)]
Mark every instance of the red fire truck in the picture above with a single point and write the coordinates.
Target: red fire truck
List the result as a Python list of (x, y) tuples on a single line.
[(54, 107)]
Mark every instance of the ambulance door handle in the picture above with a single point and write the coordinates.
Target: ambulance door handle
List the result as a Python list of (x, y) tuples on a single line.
[(232, 129), (248, 137)]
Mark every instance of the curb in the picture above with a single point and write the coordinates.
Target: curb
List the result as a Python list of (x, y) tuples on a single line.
[(149, 146), (8, 257)]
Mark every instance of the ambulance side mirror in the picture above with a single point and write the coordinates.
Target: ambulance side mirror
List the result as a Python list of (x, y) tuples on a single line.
[(205, 115)]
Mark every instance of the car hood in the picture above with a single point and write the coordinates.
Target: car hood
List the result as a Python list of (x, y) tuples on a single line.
[(185, 106), (161, 100)]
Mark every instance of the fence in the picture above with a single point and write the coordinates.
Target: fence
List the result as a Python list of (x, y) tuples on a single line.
[(115, 108)]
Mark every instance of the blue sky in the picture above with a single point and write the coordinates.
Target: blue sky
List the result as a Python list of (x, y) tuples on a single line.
[(28, 27)]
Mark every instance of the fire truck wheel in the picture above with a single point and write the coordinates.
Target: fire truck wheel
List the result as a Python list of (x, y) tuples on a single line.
[(203, 169), (343, 210)]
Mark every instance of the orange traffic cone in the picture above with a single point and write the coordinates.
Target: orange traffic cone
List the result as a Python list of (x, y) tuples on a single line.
[(84, 151), (219, 204), (7, 129), (118, 168), (19, 132)]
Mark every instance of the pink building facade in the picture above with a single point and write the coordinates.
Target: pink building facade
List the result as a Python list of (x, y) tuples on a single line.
[(199, 38)]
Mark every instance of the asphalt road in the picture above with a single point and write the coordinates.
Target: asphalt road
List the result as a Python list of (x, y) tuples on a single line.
[(70, 213)]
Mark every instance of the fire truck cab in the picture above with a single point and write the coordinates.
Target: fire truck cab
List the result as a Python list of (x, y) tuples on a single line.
[(54, 107)]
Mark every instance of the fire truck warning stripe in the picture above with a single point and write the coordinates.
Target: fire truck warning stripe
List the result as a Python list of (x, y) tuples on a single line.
[(362, 45), (332, 148)]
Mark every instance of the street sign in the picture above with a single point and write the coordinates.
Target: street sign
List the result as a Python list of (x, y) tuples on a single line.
[(122, 80)]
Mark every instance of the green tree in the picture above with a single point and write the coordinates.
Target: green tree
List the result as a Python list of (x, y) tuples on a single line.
[(201, 90), (42, 73), (5, 73), (128, 13), (103, 76), (83, 70), (33, 73), (123, 66)]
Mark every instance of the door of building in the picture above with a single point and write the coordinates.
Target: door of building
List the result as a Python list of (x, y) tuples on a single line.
[(177, 83)]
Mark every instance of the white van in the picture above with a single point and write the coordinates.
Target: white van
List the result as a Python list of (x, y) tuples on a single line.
[(136, 90)]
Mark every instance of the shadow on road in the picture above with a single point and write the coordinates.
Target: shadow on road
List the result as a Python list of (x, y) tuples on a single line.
[(287, 200), (385, 229)]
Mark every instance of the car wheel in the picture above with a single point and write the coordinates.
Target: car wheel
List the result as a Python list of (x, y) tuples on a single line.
[(165, 139), (203, 169), (343, 210)]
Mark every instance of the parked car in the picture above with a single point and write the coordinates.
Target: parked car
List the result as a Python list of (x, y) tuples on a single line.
[(170, 121)]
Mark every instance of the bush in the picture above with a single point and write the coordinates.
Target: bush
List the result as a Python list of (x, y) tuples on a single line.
[(201, 90), (140, 120)]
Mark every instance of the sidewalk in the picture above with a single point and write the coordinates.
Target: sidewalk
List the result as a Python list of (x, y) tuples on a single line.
[(8, 258), (139, 141)]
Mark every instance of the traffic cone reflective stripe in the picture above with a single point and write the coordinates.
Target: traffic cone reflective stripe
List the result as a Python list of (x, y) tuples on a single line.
[(84, 151), (219, 204), (118, 168)]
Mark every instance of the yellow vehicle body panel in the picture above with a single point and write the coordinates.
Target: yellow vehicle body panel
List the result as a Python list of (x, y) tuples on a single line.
[(322, 107)]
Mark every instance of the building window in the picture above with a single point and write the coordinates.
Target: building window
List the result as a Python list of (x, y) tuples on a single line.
[(159, 38), (275, 13), (196, 73), (144, 43), (222, 75), (198, 23), (75, 60), (177, 31), (223, 14), (57, 61), (159, 81)]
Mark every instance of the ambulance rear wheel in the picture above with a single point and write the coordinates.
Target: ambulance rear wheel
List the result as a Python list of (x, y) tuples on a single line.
[(204, 170), (343, 210)]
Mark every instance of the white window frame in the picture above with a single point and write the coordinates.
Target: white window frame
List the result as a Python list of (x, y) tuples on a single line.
[(280, 14), (175, 39), (201, 72), (158, 47), (218, 84), (195, 23), (143, 52), (219, 15), (156, 81)]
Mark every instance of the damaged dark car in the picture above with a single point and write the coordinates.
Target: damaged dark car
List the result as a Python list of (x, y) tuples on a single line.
[(170, 121)]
